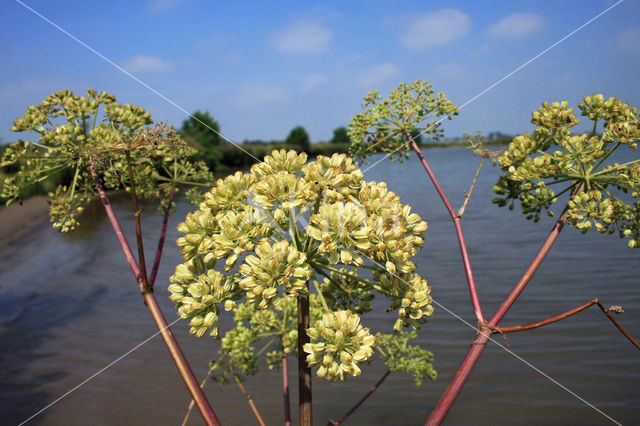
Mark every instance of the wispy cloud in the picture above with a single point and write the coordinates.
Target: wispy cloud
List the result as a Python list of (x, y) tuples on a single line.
[(302, 37), (260, 95), (435, 28), (628, 41), (516, 26), (144, 63), (377, 75), (313, 82)]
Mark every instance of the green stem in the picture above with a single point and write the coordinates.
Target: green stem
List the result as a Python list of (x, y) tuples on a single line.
[(560, 193), (602, 160), (324, 302), (344, 273), (75, 179), (39, 145), (619, 166), (330, 278), (265, 347)]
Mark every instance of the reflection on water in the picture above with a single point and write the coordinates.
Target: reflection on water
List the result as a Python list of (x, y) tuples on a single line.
[(69, 306)]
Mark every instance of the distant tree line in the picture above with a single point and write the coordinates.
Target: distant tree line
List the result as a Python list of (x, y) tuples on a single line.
[(202, 130)]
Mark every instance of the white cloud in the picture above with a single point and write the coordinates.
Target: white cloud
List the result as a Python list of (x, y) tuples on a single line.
[(377, 75), (435, 28), (259, 95), (143, 63), (313, 82), (302, 37), (516, 25), (628, 41)]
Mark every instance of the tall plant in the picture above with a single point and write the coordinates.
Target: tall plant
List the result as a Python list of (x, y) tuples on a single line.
[(108, 146), (553, 156), (266, 243)]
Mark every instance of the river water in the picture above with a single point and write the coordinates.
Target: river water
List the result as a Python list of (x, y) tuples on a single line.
[(69, 307)]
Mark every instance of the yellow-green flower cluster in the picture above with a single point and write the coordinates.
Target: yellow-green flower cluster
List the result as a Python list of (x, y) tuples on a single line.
[(286, 224), (386, 124), (414, 306), (274, 265), (396, 233), (197, 291), (579, 164), (338, 344), (378, 226), (93, 136)]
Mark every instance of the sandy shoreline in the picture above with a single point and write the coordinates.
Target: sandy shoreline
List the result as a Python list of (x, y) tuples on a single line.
[(17, 219)]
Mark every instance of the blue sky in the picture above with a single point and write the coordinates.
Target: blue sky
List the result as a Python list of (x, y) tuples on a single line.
[(262, 68)]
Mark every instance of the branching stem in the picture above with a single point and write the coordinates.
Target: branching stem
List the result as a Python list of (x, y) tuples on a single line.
[(567, 314), (163, 234), (362, 400), (473, 184), (250, 400), (137, 212), (456, 221), (167, 335)]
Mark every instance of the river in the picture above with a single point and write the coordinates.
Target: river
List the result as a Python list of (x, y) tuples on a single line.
[(69, 307)]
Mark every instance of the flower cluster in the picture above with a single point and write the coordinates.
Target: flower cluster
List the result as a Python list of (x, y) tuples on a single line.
[(386, 124), (198, 291), (400, 356), (289, 222), (414, 306), (338, 344), (581, 164), (277, 265), (95, 136)]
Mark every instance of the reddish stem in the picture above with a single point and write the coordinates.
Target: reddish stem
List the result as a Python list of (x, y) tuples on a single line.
[(163, 234), (456, 221), (285, 387), (548, 320), (137, 212), (249, 398), (362, 400), (170, 341), (568, 314), (622, 330), (461, 376)]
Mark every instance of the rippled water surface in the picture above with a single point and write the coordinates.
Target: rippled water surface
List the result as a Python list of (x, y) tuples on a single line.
[(69, 306)]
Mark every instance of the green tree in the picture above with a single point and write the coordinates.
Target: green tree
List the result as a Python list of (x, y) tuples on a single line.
[(416, 134), (203, 129), (340, 135), (299, 139)]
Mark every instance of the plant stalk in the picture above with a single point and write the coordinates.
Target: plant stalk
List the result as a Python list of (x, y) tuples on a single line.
[(568, 314), (362, 400), (250, 400), (456, 221), (137, 212), (484, 333), (163, 234), (304, 371), (172, 345), (285, 387)]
